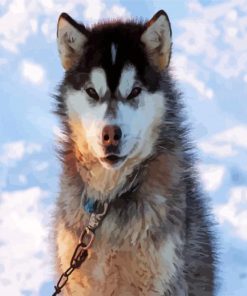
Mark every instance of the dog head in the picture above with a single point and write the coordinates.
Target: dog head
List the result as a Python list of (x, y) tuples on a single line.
[(112, 96)]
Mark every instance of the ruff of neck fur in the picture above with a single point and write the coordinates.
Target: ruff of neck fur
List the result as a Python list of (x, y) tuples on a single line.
[(103, 184)]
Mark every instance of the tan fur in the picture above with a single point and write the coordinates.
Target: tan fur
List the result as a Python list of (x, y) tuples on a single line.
[(163, 174), (124, 261)]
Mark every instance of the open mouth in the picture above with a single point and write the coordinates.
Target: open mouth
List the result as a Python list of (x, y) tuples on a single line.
[(113, 159)]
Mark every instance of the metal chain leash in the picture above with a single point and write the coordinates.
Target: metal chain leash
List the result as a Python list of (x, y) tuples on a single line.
[(81, 251)]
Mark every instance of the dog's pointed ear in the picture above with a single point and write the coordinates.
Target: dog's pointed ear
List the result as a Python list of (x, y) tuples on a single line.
[(71, 38), (157, 39)]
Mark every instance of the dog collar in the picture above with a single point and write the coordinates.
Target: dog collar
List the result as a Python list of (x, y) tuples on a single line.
[(89, 205)]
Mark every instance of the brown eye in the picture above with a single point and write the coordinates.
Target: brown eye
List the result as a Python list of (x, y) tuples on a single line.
[(92, 93), (134, 93)]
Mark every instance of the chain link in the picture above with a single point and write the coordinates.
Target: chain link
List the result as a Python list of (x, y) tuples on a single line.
[(81, 251)]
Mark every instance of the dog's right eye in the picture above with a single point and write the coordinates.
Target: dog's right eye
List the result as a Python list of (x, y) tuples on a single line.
[(92, 93), (134, 93)]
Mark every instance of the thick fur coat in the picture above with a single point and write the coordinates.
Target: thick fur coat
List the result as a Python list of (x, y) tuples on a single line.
[(156, 239)]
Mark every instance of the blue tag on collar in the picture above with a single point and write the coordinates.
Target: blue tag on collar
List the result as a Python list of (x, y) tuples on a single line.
[(89, 205)]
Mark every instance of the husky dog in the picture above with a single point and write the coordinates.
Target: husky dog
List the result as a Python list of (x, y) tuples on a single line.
[(127, 143)]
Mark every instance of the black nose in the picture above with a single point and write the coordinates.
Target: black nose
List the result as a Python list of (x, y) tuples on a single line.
[(111, 135)]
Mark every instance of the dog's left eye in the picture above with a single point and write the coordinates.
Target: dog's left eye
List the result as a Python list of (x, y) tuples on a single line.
[(92, 93), (134, 93)]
